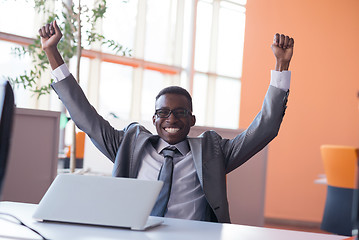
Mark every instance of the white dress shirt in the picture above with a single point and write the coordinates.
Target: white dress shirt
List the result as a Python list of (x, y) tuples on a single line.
[(187, 200)]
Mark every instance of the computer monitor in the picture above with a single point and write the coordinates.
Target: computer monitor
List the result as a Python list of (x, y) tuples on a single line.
[(6, 119)]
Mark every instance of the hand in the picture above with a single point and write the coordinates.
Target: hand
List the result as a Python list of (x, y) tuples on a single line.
[(50, 35), (283, 51)]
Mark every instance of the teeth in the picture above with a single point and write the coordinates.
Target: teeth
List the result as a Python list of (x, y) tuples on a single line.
[(171, 130)]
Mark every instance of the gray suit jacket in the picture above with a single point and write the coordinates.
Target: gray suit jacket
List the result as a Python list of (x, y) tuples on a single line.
[(213, 156)]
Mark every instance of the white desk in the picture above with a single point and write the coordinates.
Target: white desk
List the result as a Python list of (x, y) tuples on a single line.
[(172, 229)]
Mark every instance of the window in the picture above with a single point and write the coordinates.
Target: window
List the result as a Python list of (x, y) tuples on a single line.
[(198, 97), (115, 90), (190, 43), (10, 21), (10, 66)]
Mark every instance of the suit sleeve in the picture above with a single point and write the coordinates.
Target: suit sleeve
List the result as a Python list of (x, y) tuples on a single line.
[(86, 118), (261, 131)]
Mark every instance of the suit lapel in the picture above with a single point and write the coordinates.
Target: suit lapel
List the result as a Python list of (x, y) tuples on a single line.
[(196, 148), (139, 147)]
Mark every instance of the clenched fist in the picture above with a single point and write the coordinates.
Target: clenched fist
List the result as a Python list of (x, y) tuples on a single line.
[(283, 51)]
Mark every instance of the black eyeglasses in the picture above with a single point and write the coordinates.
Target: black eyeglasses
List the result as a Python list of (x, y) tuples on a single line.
[(178, 113)]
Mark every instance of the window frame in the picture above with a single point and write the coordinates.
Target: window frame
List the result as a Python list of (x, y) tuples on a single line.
[(173, 73)]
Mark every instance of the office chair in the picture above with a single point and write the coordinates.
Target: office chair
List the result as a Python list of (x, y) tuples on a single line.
[(80, 150), (340, 163), (6, 119)]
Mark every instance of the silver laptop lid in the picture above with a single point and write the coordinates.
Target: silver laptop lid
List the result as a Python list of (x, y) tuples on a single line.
[(99, 200)]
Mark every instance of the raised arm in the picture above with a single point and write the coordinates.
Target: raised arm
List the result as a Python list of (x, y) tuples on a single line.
[(105, 137), (265, 127)]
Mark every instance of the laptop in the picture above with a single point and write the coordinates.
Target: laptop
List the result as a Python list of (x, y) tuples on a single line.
[(100, 200)]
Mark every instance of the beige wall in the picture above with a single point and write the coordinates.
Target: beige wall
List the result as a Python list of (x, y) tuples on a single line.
[(323, 104)]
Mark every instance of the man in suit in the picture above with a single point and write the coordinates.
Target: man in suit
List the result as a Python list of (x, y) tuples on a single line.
[(200, 165)]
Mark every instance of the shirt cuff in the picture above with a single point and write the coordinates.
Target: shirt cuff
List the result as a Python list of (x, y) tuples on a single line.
[(280, 79), (60, 73)]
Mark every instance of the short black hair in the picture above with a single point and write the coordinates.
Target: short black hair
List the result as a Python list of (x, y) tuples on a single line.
[(176, 90)]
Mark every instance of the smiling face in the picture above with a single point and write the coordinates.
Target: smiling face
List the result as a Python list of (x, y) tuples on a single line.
[(173, 129)]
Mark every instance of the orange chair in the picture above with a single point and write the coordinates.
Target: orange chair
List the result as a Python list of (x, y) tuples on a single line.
[(340, 164), (80, 149)]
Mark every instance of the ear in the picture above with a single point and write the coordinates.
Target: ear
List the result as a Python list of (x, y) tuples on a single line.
[(153, 119), (193, 120)]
